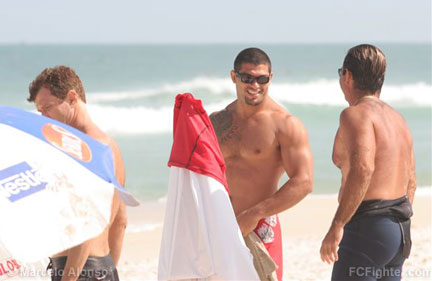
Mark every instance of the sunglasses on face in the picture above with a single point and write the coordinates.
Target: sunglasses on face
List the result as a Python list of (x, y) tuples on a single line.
[(249, 79)]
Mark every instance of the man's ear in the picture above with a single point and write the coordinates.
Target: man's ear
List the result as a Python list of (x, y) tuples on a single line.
[(349, 79), (233, 76), (72, 97)]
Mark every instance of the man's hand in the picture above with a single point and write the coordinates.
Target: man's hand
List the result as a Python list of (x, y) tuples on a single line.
[(247, 221), (330, 244)]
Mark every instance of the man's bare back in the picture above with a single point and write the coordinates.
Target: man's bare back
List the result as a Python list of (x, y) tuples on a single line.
[(392, 144), (374, 150)]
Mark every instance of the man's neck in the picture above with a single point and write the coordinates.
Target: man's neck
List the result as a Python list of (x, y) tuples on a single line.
[(366, 97), (245, 110), (81, 119)]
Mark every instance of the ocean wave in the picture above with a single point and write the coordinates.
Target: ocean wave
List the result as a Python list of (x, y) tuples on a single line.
[(212, 85), (133, 116), (328, 92), (138, 119), (319, 92)]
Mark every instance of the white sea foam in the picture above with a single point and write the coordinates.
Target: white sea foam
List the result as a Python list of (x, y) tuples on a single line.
[(328, 92), (325, 92), (132, 120), (212, 85), (138, 117)]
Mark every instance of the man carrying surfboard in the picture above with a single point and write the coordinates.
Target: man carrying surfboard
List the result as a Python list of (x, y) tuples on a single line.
[(58, 93), (260, 141)]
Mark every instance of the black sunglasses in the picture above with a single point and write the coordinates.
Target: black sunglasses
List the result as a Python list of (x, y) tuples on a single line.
[(341, 71), (249, 79)]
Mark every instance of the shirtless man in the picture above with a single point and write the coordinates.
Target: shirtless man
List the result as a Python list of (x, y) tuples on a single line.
[(260, 141), (59, 94), (373, 149)]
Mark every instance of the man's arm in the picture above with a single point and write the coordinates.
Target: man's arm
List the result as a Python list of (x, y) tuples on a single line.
[(298, 163), (76, 258), (117, 229), (357, 135), (118, 221), (412, 183)]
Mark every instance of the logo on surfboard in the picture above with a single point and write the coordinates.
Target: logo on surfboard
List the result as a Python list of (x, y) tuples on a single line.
[(19, 181), (9, 268), (67, 142)]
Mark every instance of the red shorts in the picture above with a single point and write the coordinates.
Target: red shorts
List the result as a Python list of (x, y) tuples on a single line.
[(269, 231)]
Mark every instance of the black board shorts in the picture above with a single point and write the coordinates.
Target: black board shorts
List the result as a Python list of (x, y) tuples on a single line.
[(95, 268)]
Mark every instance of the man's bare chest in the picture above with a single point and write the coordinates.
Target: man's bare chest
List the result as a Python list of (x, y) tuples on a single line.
[(248, 142)]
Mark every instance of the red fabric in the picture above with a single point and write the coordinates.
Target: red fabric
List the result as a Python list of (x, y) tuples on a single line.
[(269, 231), (195, 146)]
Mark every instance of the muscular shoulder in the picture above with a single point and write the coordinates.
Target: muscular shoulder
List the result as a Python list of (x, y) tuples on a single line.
[(355, 117), (286, 122), (222, 120), (289, 127)]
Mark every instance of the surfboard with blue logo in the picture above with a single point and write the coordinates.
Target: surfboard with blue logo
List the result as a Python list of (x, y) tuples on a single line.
[(56, 185)]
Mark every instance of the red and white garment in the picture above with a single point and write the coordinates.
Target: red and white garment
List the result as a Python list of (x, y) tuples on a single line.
[(201, 238)]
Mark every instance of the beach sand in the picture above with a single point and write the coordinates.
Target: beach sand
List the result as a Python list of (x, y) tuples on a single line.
[(303, 228)]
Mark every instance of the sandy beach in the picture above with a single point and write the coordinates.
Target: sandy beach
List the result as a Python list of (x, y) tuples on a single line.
[(304, 227)]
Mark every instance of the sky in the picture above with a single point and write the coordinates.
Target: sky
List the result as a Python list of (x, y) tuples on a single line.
[(217, 21)]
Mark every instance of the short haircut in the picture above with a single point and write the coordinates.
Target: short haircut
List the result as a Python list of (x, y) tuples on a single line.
[(59, 80), (253, 56), (367, 64)]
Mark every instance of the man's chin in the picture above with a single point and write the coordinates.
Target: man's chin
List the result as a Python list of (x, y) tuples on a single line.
[(252, 102)]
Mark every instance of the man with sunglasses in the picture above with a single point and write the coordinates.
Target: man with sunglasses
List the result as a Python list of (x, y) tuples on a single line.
[(374, 150), (260, 141)]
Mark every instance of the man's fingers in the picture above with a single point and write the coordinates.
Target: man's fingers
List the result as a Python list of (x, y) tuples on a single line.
[(322, 254), (333, 253), (325, 254), (329, 253)]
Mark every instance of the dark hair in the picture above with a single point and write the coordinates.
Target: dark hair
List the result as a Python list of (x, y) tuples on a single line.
[(252, 55), (367, 64), (59, 80)]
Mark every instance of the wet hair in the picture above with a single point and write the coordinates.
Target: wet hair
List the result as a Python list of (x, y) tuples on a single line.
[(252, 55), (59, 80), (367, 64)]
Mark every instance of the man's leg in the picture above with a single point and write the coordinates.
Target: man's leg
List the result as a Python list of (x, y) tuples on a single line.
[(353, 264), (393, 271), (369, 244)]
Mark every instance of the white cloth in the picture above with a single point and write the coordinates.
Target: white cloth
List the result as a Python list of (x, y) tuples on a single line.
[(201, 238)]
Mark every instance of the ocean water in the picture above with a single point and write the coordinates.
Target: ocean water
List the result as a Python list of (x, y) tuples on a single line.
[(131, 90)]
